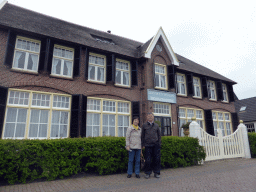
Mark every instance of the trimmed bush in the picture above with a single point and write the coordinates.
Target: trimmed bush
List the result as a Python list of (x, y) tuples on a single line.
[(27, 160), (252, 143)]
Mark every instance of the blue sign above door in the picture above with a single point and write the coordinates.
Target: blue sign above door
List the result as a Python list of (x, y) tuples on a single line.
[(161, 96)]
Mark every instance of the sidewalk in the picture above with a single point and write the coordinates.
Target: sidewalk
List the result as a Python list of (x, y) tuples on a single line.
[(224, 175)]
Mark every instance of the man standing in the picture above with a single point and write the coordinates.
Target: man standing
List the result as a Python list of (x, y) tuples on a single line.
[(151, 141)]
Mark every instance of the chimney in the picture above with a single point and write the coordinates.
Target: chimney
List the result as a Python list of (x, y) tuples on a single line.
[(109, 31)]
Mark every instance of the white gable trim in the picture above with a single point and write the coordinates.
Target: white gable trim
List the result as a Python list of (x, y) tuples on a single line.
[(166, 44), (2, 3)]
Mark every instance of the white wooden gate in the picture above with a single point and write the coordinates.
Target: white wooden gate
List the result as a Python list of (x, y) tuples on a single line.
[(232, 146)]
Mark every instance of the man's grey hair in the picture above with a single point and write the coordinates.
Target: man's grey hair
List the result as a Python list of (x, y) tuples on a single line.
[(150, 113)]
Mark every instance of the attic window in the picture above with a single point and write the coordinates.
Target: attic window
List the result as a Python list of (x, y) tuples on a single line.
[(103, 40), (243, 108)]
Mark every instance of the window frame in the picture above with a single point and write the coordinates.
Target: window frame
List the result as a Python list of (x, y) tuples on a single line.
[(122, 72), (62, 61), (209, 90), (26, 55), (30, 107), (225, 92), (224, 121), (97, 65), (198, 78), (186, 118), (180, 94), (161, 74), (116, 113), (162, 114)]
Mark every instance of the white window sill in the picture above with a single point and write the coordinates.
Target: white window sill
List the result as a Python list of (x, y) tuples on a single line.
[(60, 76), (183, 95), (123, 86), (161, 88), (98, 82), (195, 97), (24, 71)]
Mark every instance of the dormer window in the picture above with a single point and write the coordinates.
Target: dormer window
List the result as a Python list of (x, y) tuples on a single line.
[(103, 39), (211, 90), (243, 108)]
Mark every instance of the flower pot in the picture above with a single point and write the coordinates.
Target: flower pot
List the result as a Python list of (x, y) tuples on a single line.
[(186, 132)]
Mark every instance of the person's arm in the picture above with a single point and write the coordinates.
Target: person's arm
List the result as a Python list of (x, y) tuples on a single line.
[(142, 137), (128, 135), (159, 135)]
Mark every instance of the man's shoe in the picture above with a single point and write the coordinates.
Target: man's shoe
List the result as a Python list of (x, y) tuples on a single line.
[(147, 176), (129, 176), (137, 176), (157, 175)]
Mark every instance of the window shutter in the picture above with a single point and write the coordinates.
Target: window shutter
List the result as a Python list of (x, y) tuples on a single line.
[(190, 84), (77, 56), (134, 73), (74, 121), (204, 87), (230, 93), (154, 76), (84, 115), (3, 101), (209, 122), (235, 121), (219, 90), (178, 120), (136, 109), (111, 68), (171, 76), (43, 54), (9, 54), (50, 55), (86, 63)]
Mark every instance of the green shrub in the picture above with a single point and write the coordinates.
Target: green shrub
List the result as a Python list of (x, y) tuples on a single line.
[(27, 160), (252, 143)]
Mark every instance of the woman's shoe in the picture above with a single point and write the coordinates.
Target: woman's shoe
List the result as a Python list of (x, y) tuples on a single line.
[(129, 176), (137, 176)]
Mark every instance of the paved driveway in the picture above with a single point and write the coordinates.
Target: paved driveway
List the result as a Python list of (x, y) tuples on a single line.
[(225, 175)]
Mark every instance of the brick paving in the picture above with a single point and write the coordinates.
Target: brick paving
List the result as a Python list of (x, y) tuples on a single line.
[(224, 175)]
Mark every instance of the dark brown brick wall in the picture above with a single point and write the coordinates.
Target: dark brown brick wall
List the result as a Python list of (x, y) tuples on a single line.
[(44, 82)]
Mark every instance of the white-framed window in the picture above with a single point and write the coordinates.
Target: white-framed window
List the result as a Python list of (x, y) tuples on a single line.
[(181, 84), (28, 115), (223, 121), (161, 109), (107, 117), (97, 68), (123, 73), (62, 61), (26, 54), (186, 114), (211, 90), (160, 76), (197, 87), (225, 92)]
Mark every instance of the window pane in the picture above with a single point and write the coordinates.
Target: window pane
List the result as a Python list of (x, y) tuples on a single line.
[(32, 62), (9, 130), (100, 75), (56, 66), (125, 78), (20, 130), (162, 78), (93, 125), (60, 101), (41, 100), (190, 113), (108, 125), (157, 80), (182, 113), (19, 60), (42, 130), (118, 77), (33, 130), (92, 72), (67, 68)]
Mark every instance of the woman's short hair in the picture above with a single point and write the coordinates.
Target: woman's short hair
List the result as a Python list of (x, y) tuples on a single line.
[(135, 117)]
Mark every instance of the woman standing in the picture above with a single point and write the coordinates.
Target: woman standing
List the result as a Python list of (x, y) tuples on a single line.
[(133, 145)]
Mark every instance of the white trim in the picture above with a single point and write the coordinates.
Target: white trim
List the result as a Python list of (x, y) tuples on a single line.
[(2, 4), (166, 44)]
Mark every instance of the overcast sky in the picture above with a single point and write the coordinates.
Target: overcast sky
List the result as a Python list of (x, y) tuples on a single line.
[(220, 35)]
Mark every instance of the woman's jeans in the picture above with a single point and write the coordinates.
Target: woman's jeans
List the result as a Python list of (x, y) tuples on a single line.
[(132, 153)]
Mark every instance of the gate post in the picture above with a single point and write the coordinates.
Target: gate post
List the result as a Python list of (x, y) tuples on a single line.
[(194, 130), (220, 142), (247, 152)]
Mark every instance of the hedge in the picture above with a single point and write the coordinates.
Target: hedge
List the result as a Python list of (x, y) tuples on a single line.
[(252, 143), (27, 160)]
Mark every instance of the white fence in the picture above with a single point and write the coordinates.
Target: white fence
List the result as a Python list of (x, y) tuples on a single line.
[(232, 146)]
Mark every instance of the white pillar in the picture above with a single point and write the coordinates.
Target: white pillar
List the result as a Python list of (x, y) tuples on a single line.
[(220, 136), (194, 130), (247, 152)]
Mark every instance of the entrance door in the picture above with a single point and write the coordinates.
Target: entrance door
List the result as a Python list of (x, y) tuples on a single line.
[(166, 123)]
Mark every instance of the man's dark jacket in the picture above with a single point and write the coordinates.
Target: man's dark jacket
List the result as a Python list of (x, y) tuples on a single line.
[(150, 135)]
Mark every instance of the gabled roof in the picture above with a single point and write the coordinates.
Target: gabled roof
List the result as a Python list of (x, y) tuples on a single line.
[(249, 114), (188, 65), (14, 17), (161, 35)]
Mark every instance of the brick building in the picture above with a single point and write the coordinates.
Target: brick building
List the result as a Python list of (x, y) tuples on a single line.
[(59, 79)]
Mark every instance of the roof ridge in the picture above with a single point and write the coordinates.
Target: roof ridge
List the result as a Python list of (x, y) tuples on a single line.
[(74, 24)]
